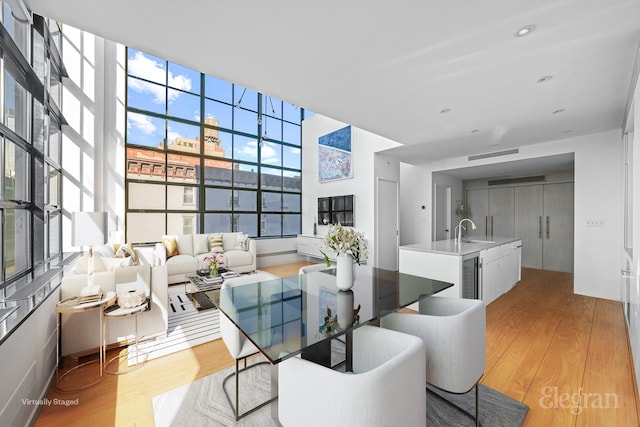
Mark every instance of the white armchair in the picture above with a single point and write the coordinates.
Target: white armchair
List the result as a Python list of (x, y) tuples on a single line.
[(454, 332), (386, 387)]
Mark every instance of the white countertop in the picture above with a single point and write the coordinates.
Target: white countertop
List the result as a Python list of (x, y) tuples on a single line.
[(450, 247)]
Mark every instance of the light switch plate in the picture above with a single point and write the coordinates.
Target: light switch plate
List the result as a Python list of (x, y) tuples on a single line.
[(595, 222)]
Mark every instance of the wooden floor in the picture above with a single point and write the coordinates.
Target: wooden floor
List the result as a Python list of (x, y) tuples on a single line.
[(566, 356)]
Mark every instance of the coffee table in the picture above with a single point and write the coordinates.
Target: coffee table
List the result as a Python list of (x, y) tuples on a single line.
[(197, 285)]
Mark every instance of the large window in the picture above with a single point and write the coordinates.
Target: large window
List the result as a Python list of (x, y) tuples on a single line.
[(205, 155), (30, 123)]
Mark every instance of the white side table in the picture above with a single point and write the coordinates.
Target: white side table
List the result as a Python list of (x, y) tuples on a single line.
[(121, 312), (73, 305)]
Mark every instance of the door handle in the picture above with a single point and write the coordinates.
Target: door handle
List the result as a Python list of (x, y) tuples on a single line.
[(626, 274), (486, 226), (491, 226), (539, 227), (548, 230)]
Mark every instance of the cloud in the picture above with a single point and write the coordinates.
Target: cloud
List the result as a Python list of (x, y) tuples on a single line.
[(250, 149), (269, 154), (147, 68), (142, 123)]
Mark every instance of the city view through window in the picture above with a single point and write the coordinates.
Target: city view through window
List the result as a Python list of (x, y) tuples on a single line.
[(205, 155)]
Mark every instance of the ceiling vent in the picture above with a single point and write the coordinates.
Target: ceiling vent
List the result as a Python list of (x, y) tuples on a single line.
[(494, 154), (523, 180)]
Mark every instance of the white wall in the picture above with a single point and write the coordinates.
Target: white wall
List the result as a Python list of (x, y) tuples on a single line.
[(276, 251), (598, 179), (93, 140), (28, 366), (364, 145)]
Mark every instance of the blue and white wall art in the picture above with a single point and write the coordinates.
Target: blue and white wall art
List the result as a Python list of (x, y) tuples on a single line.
[(334, 155)]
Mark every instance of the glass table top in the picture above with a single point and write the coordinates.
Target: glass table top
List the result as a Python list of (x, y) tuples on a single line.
[(284, 316)]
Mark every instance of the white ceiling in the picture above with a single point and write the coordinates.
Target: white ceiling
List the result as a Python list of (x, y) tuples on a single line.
[(392, 67)]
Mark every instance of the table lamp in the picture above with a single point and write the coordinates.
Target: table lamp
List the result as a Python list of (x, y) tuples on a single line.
[(88, 229)]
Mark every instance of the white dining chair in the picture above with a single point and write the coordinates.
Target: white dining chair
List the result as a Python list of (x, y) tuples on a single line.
[(386, 387), (239, 346), (454, 332)]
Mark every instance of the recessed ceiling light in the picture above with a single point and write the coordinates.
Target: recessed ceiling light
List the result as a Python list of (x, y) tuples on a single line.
[(475, 131), (446, 110), (544, 79), (558, 111), (525, 30)]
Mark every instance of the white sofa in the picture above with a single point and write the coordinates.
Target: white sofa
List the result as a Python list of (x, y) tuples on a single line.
[(80, 331), (193, 248)]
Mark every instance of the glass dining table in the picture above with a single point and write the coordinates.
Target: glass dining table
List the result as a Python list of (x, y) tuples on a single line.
[(302, 314)]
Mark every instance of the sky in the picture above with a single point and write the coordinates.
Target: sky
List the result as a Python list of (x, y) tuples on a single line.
[(182, 100)]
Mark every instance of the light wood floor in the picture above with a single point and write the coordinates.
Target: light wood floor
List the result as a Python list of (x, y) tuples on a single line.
[(545, 346)]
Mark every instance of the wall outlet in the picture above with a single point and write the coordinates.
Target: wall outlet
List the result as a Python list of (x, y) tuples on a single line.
[(595, 222)]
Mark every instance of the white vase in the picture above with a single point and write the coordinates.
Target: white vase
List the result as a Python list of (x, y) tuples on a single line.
[(345, 309), (344, 271)]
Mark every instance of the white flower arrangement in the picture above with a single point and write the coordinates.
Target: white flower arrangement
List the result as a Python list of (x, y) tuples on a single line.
[(345, 240)]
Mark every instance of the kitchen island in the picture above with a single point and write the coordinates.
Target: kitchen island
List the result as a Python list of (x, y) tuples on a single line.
[(480, 269)]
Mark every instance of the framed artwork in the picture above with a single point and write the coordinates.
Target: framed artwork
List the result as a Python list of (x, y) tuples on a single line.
[(334, 155)]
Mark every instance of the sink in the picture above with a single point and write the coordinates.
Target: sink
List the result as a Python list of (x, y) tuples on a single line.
[(477, 241)]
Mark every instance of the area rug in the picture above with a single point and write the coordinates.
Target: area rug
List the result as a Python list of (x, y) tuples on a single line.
[(496, 409), (188, 327), (203, 403)]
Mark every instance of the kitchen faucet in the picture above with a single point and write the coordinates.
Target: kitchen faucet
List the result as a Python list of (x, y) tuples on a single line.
[(459, 229)]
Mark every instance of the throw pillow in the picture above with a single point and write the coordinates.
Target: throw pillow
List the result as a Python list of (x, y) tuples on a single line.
[(242, 241), (215, 243), (111, 264), (126, 250), (171, 245), (200, 244)]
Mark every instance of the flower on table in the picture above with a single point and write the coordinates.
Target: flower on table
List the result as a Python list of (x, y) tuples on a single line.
[(345, 240), (214, 260)]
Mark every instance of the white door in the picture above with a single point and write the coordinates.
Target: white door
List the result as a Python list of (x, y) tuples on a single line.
[(501, 212), (386, 252), (528, 223), (557, 249)]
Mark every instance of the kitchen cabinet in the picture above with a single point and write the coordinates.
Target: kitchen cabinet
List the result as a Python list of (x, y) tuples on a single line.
[(492, 211), (491, 261), (544, 222), (500, 270), (477, 270)]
